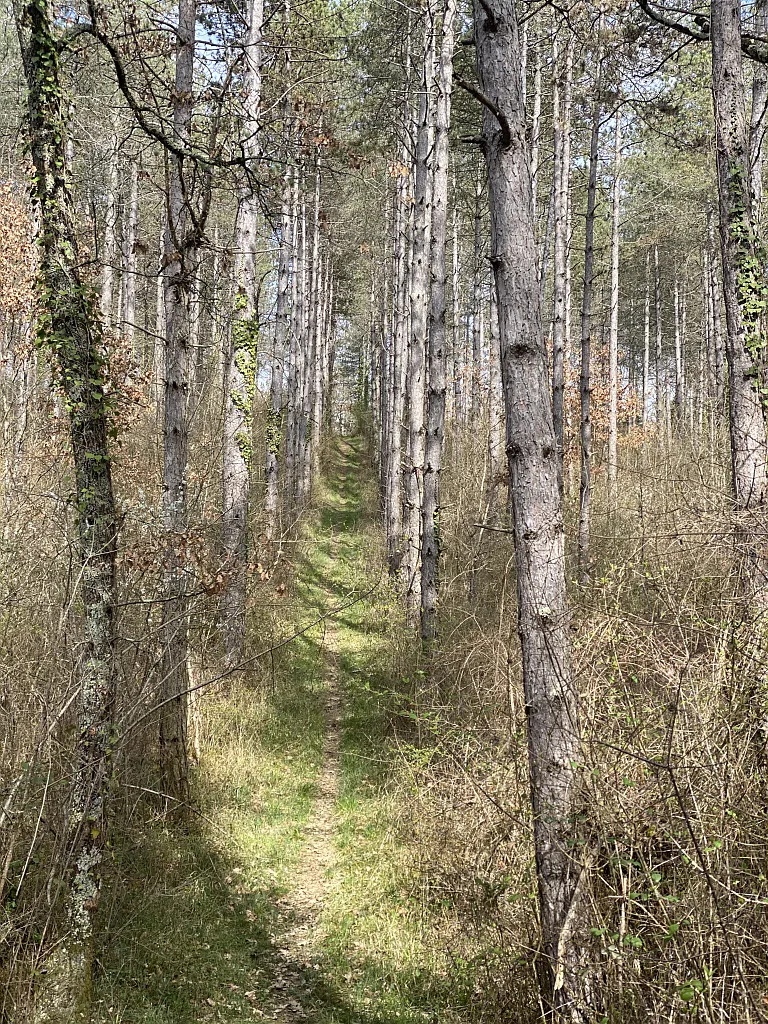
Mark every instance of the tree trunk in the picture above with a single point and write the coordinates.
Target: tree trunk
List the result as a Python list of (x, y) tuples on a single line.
[(307, 352), (496, 423), (316, 380), (536, 124), (282, 326), (241, 364), (458, 409), (613, 334), (661, 398), (70, 327), (294, 390), (130, 227), (717, 323), (419, 306), (679, 392), (179, 259), (395, 411), (551, 697), (562, 171), (647, 340), (744, 301), (585, 383), (110, 231), (430, 540), (477, 306), (158, 355), (758, 119)]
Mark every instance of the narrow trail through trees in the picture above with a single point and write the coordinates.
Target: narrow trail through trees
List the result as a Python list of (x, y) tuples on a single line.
[(294, 898), (300, 910)]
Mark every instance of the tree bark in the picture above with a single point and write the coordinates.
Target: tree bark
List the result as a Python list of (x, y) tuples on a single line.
[(647, 341), (717, 323), (679, 389), (613, 334), (179, 259), (536, 123), (316, 333), (274, 436), (430, 539), (758, 120), (241, 364), (158, 354), (661, 397), (477, 306), (70, 327), (130, 228), (562, 170), (395, 411), (294, 355), (585, 383), (551, 697), (744, 296), (110, 231), (419, 306), (458, 409)]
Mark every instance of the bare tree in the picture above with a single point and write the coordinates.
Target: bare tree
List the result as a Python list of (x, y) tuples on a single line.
[(585, 383), (240, 363), (179, 253), (430, 541), (613, 334), (419, 306), (551, 696), (744, 302), (130, 227), (562, 171)]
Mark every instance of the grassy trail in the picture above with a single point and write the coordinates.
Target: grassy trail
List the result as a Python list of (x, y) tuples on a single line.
[(294, 898)]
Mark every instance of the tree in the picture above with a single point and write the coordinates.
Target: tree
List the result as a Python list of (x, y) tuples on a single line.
[(180, 247), (562, 171), (419, 301), (436, 363), (551, 696), (743, 285), (240, 363), (71, 331), (585, 383), (613, 343)]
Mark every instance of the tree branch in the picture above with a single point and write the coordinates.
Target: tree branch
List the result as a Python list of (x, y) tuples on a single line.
[(139, 112), (506, 132), (755, 47)]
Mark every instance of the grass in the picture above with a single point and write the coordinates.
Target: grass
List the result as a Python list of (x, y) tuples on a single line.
[(193, 919)]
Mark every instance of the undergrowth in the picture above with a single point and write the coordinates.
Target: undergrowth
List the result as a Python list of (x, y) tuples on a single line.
[(192, 915)]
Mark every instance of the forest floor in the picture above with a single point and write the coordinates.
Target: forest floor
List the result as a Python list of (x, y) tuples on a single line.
[(293, 894)]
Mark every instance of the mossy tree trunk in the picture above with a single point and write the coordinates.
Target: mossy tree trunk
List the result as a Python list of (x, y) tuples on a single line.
[(71, 331)]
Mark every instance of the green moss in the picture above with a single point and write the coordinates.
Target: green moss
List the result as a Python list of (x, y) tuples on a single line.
[(245, 345), (751, 259), (274, 433)]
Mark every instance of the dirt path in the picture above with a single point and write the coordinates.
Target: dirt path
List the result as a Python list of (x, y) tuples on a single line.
[(302, 907)]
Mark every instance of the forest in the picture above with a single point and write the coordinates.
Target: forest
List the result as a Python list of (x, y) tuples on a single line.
[(384, 520)]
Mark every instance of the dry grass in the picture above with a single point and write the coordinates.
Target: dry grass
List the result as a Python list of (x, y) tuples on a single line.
[(673, 824)]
